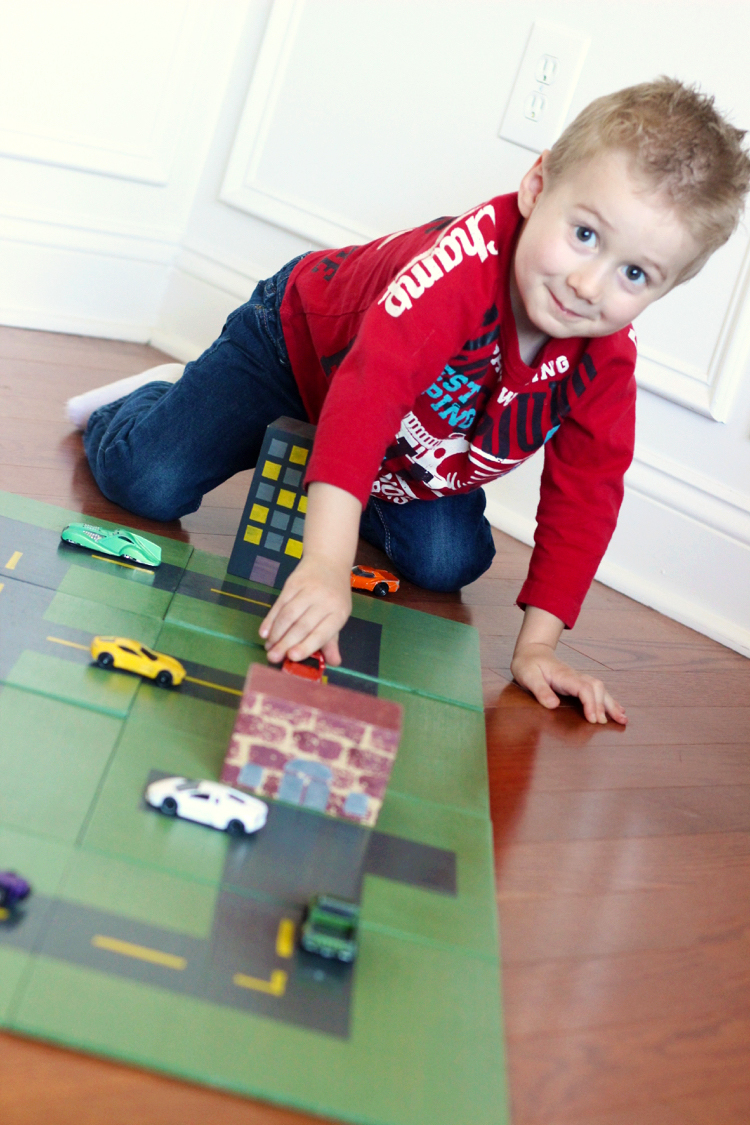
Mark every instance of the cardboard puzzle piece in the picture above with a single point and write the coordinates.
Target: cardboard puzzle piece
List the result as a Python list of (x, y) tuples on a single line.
[(268, 544), (314, 745)]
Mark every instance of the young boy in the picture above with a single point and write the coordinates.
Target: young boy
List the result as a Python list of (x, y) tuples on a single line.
[(439, 358)]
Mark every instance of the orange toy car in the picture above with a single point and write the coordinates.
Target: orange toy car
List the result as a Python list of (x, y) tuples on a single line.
[(380, 582), (312, 668)]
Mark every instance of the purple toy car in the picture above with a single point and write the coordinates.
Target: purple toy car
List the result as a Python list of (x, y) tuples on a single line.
[(13, 889)]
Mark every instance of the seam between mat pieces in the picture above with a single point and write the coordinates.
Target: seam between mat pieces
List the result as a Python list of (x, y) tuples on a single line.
[(211, 632), (432, 943), (412, 691)]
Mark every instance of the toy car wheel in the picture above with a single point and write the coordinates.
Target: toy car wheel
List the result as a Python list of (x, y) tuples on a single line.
[(381, 589), (3, 896), (105, 660), (169, 806), (164, 678), (236, 828)]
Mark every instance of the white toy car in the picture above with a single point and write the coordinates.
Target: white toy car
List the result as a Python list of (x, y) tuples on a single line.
[(208, 802)]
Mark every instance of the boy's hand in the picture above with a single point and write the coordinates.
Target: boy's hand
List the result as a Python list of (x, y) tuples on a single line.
[(536, 668), (309, 612), (317, 598)]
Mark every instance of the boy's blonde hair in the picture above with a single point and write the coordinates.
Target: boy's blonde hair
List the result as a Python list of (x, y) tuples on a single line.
[(679, 143)]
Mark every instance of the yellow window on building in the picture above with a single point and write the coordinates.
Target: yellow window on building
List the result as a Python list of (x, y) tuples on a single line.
[(302, 506), (294, 547), (259, 514), (286, 499), (253, 534), (271, 469), (298, 456)]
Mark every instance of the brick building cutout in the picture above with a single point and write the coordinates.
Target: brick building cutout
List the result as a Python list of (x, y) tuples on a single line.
[(319, 746)]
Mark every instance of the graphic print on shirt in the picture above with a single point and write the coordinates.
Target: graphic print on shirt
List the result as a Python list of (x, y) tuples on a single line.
[(512, 424)]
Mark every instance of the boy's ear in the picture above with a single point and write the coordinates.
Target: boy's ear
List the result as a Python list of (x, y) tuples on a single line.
[(532, 185)]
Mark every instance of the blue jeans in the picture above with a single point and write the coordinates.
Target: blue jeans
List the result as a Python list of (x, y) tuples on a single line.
[(158, 451)]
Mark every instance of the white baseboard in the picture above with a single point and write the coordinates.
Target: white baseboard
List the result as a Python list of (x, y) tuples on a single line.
[(43, 320), (199, 296)]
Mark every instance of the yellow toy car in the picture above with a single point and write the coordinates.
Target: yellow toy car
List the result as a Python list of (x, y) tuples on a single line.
[(132, 656)]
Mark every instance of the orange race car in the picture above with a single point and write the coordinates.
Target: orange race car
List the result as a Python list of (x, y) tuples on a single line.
[(380, 582)]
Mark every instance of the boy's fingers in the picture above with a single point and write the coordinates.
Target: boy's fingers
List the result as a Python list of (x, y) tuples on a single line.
[(267, 624), (615, 709), (536, 683), (331, 651), (317, 638), (302, 635)]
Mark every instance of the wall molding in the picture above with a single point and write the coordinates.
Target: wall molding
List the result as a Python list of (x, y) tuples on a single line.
[(151, 159), (241, 187), (64, 277), (126, 241), (709, 392), (691, 493), (717, 514)]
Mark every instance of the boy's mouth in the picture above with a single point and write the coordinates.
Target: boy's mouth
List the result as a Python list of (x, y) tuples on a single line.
[(563, 308)]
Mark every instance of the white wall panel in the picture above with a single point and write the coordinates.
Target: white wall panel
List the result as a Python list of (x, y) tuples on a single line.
[(107, 111), (97, 86)]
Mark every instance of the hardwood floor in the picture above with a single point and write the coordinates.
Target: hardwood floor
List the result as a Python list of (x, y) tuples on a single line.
[(623, 855)]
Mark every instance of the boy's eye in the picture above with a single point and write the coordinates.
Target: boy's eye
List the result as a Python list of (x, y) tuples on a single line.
[(635, 274), (586, 235)]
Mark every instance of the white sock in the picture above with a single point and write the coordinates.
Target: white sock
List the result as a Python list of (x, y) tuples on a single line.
[(80, 408)]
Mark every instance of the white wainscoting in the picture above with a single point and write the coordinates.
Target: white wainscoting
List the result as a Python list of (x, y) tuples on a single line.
[(682, 543), (201, 292), (64, 278), (122, 115), (107, 112)]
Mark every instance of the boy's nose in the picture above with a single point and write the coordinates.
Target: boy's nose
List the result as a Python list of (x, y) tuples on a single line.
[(587, 283)]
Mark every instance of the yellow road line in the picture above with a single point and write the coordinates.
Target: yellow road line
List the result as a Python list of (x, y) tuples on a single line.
[(207, 683), (117, 562), (140, 952), (71, 644), (4, 914), (13, 560), (276, 986), (240, 598), (2, 585), (285, 938)]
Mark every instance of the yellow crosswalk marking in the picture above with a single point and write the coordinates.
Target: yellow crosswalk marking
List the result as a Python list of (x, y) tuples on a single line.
[(207, 683), (119, 562), (226, 594), (140, 952), (276, 986), (285, 938), (70, 644), (13, 561)]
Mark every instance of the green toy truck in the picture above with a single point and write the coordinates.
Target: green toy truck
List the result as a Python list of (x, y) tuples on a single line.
[(330, 928)]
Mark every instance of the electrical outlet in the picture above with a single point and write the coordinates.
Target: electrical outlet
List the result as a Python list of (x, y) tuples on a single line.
[(541, 95)]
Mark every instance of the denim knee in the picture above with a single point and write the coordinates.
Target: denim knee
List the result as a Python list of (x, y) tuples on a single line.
[(440, 544), (147, 485), (459, 563)]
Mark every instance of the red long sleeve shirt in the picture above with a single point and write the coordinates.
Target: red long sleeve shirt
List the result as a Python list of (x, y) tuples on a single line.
[(406, 356)]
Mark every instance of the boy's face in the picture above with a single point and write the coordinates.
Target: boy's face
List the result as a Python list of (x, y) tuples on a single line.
[(596, 249)]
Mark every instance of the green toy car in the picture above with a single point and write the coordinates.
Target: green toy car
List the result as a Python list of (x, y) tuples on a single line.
[(330, 927), (124, 544)]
